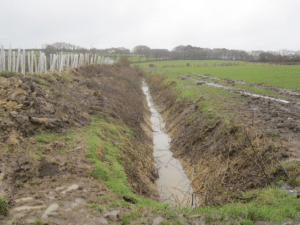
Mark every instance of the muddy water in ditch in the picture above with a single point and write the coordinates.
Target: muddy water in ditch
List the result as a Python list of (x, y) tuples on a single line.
[(173, 184)]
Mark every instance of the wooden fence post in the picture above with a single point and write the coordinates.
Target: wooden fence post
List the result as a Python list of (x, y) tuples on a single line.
[(35, 64), (23, 72), (29, 65), (14, 62), (9, 60), (3, 58)]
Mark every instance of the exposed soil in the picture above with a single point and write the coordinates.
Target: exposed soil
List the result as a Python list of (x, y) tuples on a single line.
[(224, 160), (270, 115), (55, 184)]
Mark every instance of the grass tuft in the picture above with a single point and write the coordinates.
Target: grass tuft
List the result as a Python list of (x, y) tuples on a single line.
[(3, 206)]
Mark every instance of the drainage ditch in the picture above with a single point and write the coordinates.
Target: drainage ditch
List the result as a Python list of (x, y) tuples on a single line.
[(173, 184)]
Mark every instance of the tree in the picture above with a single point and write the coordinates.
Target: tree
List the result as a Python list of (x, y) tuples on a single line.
[(159, 53), (142, 50), (50, 50)]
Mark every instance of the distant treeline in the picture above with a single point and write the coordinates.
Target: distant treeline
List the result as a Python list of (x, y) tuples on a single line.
[(189, 52), (66, 47)]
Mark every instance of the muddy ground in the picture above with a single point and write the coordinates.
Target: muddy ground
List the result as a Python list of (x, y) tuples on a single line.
[(276, 116), (49, 179), (223, 160)]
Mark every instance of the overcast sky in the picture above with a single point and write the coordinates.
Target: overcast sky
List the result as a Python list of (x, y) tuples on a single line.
[(232, 24)]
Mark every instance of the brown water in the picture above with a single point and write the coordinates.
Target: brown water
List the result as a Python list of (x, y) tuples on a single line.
[(173, 184)]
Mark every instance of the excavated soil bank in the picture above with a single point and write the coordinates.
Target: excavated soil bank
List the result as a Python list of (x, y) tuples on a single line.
[(222, 159), (44, 155)]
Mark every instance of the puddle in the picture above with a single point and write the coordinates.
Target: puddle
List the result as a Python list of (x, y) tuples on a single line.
[(173, 185), (238, 90), (24, 199), (25, 207), (72, 187), (53, 207)]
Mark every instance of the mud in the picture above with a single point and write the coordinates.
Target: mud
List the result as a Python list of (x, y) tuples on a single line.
[(221, 159), (49, 179), (280, 90), (47, 169), (278, 117)]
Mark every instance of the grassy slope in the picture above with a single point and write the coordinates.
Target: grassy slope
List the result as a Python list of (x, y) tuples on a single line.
[(270, 204)]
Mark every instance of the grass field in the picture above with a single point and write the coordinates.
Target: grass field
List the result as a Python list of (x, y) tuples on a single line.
[(37, 53), (193, 63), (136, 58), (216, 100), (275, 75)]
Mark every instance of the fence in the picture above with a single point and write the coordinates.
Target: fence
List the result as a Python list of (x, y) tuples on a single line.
[(19, 61)]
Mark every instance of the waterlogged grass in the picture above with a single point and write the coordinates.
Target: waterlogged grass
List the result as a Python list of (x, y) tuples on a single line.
[(262, 91), (276, 75)]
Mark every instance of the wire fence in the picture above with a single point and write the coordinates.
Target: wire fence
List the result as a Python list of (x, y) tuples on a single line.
[(23, 61)]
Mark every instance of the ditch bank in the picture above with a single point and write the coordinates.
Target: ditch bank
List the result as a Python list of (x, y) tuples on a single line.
[(75, 146), (223, 159)]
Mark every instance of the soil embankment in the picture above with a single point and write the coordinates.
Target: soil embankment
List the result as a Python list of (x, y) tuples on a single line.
[(223, 159), (61, 132)]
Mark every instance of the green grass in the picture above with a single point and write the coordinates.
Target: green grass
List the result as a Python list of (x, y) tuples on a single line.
[(3, 206), (66, 76), (214, 100), (47, 76), (195, 63), (290, 165), (257, 90), (37, 53), (270, 204), (99, 139), (38, 152), (50, 137), (97, 206), (38, 222), (275, 75)]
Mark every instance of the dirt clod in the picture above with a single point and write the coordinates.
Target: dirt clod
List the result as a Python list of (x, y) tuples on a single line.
[(48, 169)]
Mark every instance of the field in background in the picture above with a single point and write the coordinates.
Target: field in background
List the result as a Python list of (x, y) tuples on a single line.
[(275, 75), (192, 63)]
